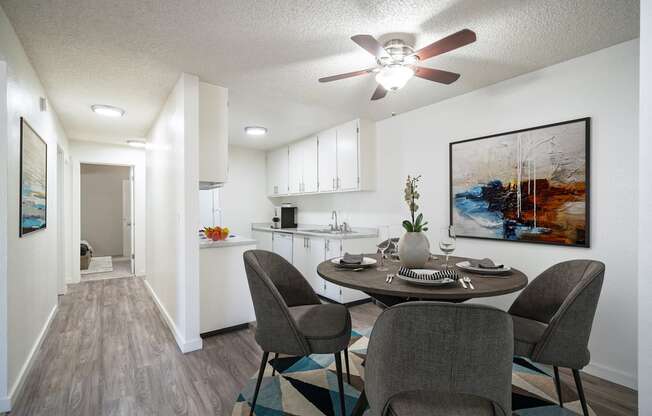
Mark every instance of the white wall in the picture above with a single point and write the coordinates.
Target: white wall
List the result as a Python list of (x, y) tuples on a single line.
[(645, 217), (109, 154), (602, 85), (173, 212), (242, 198), (30, 298), (101, 207)]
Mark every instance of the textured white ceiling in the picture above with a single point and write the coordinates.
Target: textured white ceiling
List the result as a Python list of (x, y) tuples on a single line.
[(271, 53)]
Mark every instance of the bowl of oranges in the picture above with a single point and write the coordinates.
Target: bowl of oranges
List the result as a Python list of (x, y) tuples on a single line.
[(216, 233)]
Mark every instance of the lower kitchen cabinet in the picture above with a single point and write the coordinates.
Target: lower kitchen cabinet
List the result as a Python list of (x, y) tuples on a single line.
[(309, 251), (264, 239)]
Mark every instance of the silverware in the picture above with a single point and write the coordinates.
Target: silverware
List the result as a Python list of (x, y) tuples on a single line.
[(467, 279), (359, 269), (391, 278), (463, 284), (387, 277)]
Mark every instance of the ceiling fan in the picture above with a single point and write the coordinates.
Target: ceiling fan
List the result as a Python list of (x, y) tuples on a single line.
[(397, 61)]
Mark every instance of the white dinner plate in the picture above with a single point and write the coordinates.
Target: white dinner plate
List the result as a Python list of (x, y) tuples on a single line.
[(366, 262), (465, 265), (447, 281)]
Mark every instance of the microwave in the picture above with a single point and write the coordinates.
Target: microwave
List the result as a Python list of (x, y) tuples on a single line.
[(287, 215)]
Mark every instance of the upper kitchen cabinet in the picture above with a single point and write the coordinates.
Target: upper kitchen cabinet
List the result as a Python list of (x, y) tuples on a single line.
[(303, 166), (327, 160), (213, 135), (340, 159), (348, 153), (277, 172)]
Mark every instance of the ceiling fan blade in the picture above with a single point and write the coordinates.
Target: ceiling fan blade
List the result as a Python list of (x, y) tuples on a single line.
[(347, 75), (371, 45), (436, 75), (454, 41), (380, 92)]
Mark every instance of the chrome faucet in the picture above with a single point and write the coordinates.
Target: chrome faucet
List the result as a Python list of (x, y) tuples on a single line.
[(335, 227)]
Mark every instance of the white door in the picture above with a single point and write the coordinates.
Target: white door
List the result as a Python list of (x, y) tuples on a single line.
[(61, 225), (310, 174), (327, 158), (347, 155), (127, 218), (295, 168)]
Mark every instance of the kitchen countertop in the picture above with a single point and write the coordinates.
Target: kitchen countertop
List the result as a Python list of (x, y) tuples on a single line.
[(302, 229), (230, 242)]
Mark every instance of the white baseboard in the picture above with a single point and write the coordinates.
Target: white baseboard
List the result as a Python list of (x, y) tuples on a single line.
[(27, 365), (184, 346), (611, 374), (5, 404)]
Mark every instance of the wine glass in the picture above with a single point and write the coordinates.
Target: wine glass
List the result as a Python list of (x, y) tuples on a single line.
[(383, 233), (447, 241)]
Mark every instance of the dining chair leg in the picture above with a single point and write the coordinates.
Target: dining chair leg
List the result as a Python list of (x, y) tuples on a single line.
[(273, 368), (580, 391), (263, 364), (346, 361), (360, 405), (340, 383), (558, 386)]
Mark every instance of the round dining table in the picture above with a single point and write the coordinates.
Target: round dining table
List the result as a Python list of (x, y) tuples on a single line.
[(374, 282)]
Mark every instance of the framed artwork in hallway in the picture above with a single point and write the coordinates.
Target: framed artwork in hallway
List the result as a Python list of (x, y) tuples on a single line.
[(529, 185), (33, 180)]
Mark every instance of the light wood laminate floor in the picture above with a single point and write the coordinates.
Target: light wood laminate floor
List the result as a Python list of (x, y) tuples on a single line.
[(108, 352)]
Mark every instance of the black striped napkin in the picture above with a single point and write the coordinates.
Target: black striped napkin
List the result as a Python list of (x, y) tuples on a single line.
[(435, 275)]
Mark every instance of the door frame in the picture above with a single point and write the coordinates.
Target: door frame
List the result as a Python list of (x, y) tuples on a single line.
[(76, 214)]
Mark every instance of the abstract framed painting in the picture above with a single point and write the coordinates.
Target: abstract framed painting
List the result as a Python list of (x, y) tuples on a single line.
[(33, 180), (529, 185)]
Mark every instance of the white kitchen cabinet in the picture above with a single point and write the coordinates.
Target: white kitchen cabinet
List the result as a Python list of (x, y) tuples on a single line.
[(308, 252), (264, 240), (303, 166), (310, 156), (213, 135), (347, 156), (333, 248), (340, 159), (295, 168), (277, 172), (327, 158)]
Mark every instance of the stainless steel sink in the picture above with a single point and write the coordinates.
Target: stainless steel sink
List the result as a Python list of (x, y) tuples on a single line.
[(328, 231)]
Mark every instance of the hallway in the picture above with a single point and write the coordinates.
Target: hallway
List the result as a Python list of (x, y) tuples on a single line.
[(109, 352)]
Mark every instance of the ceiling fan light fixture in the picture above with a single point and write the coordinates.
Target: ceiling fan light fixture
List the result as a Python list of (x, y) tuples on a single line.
[(394, 77)]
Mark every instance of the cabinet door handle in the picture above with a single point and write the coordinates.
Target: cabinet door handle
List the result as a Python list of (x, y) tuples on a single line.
[(333, 183), (338, 182)]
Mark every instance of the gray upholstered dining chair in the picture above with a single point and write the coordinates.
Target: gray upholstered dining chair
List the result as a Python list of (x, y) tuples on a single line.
[(431, 358), (290, 318), (553, 317)]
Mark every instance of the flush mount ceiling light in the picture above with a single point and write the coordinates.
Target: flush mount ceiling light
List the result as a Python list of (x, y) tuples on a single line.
[(107, 110), (136, 143), (255, 131), (394, 77)]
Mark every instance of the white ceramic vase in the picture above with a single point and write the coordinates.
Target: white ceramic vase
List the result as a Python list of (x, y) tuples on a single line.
[(414, 250)]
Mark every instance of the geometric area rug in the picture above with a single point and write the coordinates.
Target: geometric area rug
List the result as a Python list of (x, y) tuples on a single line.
[(308, 386)]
